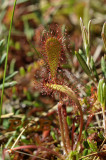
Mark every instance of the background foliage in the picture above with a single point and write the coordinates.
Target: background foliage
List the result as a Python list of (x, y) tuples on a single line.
[(23, 100)]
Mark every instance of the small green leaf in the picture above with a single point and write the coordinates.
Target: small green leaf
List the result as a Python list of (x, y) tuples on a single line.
[(82, 54), (73, 155), (83, 64), (11, 76), (69, 120), (100, 91), (53, 135), (22, 71), (5, 123), (101, 135), (103, 34), (85, 152), (12, 66), (2, 58), (103, 66), (93, 145), (9, 84), (84, 33)]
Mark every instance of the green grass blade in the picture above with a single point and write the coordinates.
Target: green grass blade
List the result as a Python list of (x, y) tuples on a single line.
[(8, 84), (8, 44), (11, 76), (2, 58)]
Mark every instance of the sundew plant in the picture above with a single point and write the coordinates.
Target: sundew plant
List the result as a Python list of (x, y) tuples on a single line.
[(73, 126)]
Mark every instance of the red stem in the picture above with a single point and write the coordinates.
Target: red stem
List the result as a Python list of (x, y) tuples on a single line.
[(61, 126), (66, 129), (81, 124), (72, 134)]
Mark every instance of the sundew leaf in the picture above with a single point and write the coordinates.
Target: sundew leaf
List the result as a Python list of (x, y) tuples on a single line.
[(53, 50), (64, 89)]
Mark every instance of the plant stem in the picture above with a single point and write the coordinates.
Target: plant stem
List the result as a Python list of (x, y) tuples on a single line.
[(61, 126), (8, 44), (70, 93), (81, 113), (104, 121), (81, 124), (72, 134), (66, 130)]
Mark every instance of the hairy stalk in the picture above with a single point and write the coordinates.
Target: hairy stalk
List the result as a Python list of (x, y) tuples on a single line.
[(61, 126), (70, 93), (66, 130), (81, 114), (8, 44)]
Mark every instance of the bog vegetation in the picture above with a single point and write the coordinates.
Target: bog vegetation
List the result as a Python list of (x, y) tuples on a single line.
[(53, 80)]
